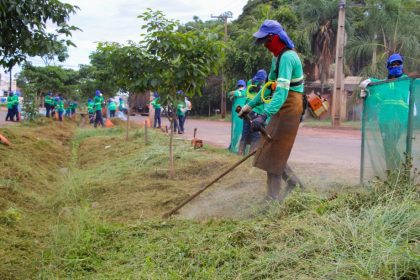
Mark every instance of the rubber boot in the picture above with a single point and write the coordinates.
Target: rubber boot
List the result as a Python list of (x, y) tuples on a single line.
[(273, 186), (291, 179)]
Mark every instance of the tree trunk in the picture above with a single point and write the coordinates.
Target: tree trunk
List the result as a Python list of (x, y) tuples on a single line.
[(374, 59), (128, 117), (171, 148)]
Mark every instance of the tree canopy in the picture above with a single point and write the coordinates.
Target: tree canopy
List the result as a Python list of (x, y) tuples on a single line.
[(24, 31)]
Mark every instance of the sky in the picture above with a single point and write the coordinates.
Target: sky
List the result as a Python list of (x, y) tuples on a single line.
[(116, 21)]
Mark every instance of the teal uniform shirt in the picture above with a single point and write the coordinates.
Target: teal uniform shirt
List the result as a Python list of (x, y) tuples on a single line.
[(98, 100), (48, 100), (90, 107), (60, 106), (121, 106), (180, 109), (238, 98), (290, 71), (10, 102), (15, 100), (155, 103), (112, 106)]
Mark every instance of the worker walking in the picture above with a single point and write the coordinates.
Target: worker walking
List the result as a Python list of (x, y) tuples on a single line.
[(238, 99), (249, 136), (283, 104), (158, 108), (98, 102)]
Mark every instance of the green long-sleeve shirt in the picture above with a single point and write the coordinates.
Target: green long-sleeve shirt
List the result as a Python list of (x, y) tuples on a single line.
[(48, 100), (290, 70), (10, 102), (98, 100), (155, 103)]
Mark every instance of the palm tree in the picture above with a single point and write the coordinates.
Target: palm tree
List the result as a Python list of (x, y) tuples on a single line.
[(388, 27), (319, 22)]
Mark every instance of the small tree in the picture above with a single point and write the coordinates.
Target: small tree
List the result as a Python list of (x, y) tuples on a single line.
[(176, 60)]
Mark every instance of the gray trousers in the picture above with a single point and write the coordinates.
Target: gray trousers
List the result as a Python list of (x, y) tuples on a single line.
[(274, 190)]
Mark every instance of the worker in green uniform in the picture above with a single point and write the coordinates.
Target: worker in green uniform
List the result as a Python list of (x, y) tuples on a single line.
[(73, 107), (283, 104), (98, 102), (60, 108), (121, 106), (48, 102), (90, 109), (16, 106), (181, 108), (238, 98), (112, 106), (10, 113), (393, 107), (249, 136), (158, 108)]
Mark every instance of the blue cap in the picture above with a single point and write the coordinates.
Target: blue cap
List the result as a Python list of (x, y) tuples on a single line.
[(97, 92), (274, 27), (180, 92), (120, 98), (155, 94), (261, 76), (90, 99), (49, 94), (241, 83), (394, 57)]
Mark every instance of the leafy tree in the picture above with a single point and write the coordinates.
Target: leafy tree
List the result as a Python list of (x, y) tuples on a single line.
[(178, 60), (24, 28), (53, 79)]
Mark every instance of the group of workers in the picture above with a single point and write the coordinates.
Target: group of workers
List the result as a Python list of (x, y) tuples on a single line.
[(58, 105), (277, 103), (12, 107), (94, 108), (177, 114)]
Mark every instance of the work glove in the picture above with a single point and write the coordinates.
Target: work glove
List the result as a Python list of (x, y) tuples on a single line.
[(244, 111), (364, 84), (258, 122)]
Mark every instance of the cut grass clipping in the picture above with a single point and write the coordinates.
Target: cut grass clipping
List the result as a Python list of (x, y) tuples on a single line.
[(92, 211)]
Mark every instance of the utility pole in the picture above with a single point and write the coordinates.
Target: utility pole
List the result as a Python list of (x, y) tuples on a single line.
[(223, 17), (10, 81), (338, 75)]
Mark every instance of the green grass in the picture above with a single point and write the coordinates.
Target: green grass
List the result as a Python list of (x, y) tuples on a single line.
[(101, 220)]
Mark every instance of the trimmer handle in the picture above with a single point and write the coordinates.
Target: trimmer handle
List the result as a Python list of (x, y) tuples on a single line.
[(247, 117)]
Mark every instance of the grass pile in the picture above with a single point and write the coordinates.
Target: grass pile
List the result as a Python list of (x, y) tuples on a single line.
[(106, 221)]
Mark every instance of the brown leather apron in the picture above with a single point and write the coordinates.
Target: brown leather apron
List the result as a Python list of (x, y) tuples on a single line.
[(272, 155)]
